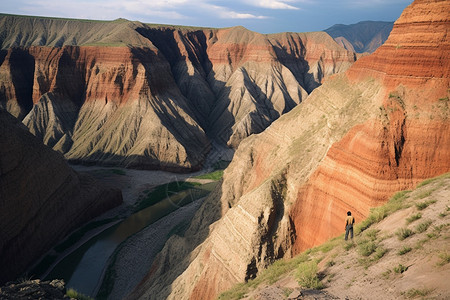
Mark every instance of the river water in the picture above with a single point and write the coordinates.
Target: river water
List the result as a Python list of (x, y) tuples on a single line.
[(82, 269)]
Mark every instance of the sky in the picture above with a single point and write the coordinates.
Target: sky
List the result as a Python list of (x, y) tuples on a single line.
[(264, 16)]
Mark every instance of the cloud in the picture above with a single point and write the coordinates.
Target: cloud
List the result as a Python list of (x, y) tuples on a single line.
[(277, 4), (226, 13)]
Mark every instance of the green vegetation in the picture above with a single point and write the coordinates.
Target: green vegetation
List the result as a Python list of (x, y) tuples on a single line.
[(413, 218), (307, 275), (423, 205), (413, 293), (422, 227), (379, 253), (403, 233), (163, 191), (379, 213), (76, 295), (216, 175), (367, 244), (445, 258), (423, 195), (400, 269), (404, 250), (365, 247), (430, 180), (269, 275)]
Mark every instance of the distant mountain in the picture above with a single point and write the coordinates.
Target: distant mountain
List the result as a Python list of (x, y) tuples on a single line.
[(361, 37)]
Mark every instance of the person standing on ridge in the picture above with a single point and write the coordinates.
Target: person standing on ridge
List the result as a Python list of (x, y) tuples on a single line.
[(349, 225)]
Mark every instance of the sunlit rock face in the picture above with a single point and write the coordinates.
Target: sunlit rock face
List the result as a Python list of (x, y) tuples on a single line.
[(130, 94), (381, 127)]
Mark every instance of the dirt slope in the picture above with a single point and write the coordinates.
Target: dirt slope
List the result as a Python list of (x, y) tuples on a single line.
[(377, 264)]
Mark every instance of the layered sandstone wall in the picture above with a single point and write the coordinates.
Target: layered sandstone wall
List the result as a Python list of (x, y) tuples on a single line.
[(148, 97), (381, 127)]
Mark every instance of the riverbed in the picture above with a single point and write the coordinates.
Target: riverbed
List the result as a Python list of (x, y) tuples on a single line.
[(84, 265)]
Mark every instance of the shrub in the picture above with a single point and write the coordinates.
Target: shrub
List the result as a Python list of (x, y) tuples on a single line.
[(413, 293), (413, 218), (372, 234), (403, 233), (76, 295), (379, 213), (445, 258), (379, 253), (422, 227), (404, 250), (307, 275), (400, 269), (423, 205), (366, 248)]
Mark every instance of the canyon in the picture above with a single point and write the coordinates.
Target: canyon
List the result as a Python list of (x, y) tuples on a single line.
[(42, 198), (154, 97), (316, 130), (380, 127)]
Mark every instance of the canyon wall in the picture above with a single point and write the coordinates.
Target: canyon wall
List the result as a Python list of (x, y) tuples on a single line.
[(41, 198), (381, 127), (142, 96)]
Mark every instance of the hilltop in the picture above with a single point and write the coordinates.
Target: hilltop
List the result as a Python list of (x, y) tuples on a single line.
[(399, 252)]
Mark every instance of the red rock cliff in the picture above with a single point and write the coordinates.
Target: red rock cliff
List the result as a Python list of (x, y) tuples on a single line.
[(408, 142), (357, 139), (77, 84)]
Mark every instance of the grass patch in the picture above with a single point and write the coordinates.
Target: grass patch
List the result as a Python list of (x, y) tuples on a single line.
[(413, 218), (348, 246), (403, 233), (400, 269), (163, 191), (307, 275), (445, 258), (365, 247), (404, 250), (422, 227), (423, 195), (216, 175), (377, 214), (413, 293), (425, 204), (76, 295), (269, 275), (379, 253)]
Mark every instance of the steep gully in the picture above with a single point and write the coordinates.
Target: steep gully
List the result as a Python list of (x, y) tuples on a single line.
[(159, 102), (380, 127)]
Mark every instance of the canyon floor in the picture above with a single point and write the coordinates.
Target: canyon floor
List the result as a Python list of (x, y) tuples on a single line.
[(401, 251)]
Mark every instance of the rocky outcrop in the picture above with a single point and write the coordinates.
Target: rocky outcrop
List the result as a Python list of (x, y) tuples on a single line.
[(154, 97), (34, 289), (41, 198), (361, 37), (379, 128)]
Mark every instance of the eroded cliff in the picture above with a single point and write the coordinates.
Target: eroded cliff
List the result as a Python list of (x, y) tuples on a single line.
[(154, 97), (41, 198), (381, 127)]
